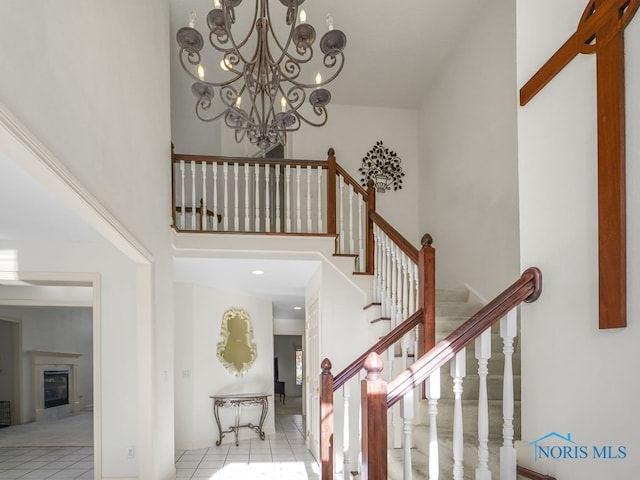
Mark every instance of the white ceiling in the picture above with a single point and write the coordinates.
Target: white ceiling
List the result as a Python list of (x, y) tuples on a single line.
[(393, 50)]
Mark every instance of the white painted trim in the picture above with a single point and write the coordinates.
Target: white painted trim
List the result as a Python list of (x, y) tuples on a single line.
[(21, 146), (22, 302)]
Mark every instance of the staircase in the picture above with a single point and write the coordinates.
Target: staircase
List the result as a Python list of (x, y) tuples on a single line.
[(453, 308)]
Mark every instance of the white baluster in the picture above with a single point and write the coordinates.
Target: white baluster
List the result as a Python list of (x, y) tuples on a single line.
[(361, 260), (406, 413), (236, 201), (341, 215), (483, 354), (376, 264), (412, 289), (215, 196), (182, 194), (267, 195), (508, 331), (225, 173), (405, 285), (193, 195), (247, 172), (387, 275), (203, 213), (433, 394), (345, 432), (256, 221), (277, 198), (352, 247), (394, 285), (320, 226), (309, 225), (298, 212), (458, 371), (287, 190)]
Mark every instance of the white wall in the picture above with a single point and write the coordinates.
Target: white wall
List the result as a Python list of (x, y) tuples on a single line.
[(68, 330), (575, 378), (91, 81), (468, 166), (199, 311)]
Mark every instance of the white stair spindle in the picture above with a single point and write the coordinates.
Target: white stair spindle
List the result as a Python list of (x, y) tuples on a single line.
[(352, 247), (287, 186), (483, 354), (508, 331), (247, 171), (236, 202), (346, 394), (182, 195), (394, 285), (458, 371), (339, 205), (405, 286), (256, 216), (361, 260), (320, 225), (376, 264), (277, 198), (193, 196), (298, 212), (225, 173), (406, 413), (433, 394), (214, 221), (412, 291), (267, 199), (309, 224), (203, 213), (387, 275)]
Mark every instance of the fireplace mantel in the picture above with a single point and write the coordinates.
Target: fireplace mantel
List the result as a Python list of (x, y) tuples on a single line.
[(44, 360)]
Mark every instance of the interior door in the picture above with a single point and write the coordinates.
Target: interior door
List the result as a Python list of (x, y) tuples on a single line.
[(313, 376)]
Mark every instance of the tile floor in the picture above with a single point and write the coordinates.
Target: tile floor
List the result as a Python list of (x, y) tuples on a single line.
[(279, 456), (40, 463), (282, 455)]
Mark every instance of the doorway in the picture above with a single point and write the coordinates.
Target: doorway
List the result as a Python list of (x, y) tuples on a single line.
[(288, 370)]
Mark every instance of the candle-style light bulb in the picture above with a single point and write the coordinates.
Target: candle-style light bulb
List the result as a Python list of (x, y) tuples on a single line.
[(238, 101), (318, 79), (225, 64), (329, 21), (216, 4), (200, 72), (303, 16), (283, 104), (192, 19)]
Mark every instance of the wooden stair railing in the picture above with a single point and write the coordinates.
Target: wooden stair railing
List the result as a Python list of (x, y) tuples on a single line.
[(270, 196), (399, 298), (378, 396), (525, 472)]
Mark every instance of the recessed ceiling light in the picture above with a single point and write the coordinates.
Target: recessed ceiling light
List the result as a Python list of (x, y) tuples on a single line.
[(257, 272), (297, 308)]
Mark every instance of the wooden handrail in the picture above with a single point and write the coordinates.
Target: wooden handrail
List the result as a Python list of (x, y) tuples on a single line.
[(526, 289), (525, 472), (249, 161), (349, 180), (387, 341), (395, 236)]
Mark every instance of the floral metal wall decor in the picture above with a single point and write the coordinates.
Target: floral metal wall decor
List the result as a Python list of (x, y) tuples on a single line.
[(237, 350), (382, 166)]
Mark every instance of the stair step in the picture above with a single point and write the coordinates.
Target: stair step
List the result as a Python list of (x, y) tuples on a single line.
[(447, 295), (471, 386), (457, 309)]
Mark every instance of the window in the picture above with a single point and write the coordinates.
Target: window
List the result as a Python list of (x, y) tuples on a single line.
[(298, 366)]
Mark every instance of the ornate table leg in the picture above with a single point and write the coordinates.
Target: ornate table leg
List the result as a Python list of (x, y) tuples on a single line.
[(265, 407), (217, 417)]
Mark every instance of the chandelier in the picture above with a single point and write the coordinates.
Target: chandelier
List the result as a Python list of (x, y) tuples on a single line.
[(263, 94)]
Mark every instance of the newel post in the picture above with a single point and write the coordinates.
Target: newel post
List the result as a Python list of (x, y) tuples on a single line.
[(371, 207), (331, 191), (427, 294), (326, 420), (373, 392)]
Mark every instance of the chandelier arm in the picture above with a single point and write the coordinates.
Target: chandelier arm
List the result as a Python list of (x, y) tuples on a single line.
[(320, 111), (293, 80), (283, 49), (197, 79)]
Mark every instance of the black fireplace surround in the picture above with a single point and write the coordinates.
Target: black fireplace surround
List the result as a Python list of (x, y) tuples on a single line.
[(56, 388)]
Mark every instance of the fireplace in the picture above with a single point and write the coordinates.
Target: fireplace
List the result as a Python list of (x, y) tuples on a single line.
[(56, 388), (55, 384)]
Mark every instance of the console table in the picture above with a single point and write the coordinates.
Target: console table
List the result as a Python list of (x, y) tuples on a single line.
[(237, 401)]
